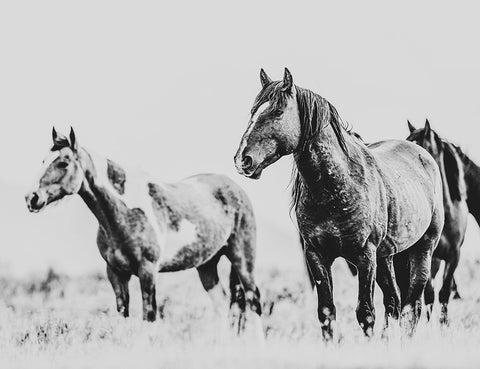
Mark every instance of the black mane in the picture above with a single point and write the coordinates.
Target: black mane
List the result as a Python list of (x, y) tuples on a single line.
[(315, 113), (60, 143)]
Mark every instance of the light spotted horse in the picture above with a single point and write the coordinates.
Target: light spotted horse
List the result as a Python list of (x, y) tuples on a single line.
[(365, 204), (147, 227)]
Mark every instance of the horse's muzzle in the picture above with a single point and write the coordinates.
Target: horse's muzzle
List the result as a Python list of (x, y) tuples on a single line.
[(34, 202)]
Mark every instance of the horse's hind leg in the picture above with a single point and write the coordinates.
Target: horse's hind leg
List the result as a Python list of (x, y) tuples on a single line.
[(208, 274), (388, 284), (429, 295), (241, 253), (444, 294), (456, 294), (420, 259), (237, 302), (402, 274)]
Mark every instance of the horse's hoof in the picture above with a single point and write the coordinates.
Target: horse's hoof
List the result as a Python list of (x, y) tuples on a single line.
[(457, 296)]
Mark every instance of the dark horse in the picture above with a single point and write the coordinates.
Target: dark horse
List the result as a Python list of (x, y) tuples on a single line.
[(456, 212), (146, 227), (365, 204)]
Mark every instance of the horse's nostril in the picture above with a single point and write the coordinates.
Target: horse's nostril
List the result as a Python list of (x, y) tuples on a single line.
[(247, 162), (34, 199)]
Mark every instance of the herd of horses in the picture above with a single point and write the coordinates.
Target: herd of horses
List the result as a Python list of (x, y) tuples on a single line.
[(393, 210)]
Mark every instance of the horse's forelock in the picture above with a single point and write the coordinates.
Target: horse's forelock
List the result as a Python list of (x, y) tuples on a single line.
[(60, 143), (270, 93)]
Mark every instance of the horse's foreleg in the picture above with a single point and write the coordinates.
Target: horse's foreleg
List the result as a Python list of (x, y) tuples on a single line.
[(366, 264), (429, 294), (147, 273), (320, 269), (444, 295), (388, 284), (119, 283)]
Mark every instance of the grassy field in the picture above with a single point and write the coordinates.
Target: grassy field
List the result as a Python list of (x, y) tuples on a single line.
[(57, 321)]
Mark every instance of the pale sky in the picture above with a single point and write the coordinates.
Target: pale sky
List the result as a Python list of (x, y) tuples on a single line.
[(170, 85)]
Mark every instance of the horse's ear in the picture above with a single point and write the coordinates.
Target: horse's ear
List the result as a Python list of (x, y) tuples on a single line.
[(411, 127), (54, 134), (428, 129), (287, 81), (73, 140), (58, 139), (264, 79)]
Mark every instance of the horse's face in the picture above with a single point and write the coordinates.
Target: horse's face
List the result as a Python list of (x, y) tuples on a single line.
[(60, 175), (274, 127), (427, 138)]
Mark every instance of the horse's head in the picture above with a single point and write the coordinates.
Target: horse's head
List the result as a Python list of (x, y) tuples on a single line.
[(60, 175), (426, 137), (443, 152), (274, 127)]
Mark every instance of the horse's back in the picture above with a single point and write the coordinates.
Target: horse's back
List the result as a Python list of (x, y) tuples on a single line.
[(223, 189), (414, 190)]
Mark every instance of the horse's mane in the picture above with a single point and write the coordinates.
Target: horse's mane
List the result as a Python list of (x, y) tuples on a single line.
[(452, 171), (315, 113)]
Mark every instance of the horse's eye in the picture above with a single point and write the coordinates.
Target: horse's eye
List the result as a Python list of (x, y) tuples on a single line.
[(62, 164)]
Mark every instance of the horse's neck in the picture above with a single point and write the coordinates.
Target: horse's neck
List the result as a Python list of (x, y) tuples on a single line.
[(472, 180), (324, 166), (102, 196)]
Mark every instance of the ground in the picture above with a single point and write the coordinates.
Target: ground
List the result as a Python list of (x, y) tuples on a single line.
[(66, 322)]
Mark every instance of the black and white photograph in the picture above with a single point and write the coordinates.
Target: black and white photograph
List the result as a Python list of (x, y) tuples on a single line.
[(255, 184)]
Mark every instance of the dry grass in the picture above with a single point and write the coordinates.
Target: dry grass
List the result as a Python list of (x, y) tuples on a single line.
[(62, 322)]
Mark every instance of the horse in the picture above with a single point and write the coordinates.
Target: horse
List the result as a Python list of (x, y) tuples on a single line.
[(147, 227), (472, 181), (364, 204), (456, 212)]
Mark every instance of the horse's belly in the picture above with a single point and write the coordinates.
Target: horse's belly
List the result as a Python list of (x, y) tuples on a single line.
[(190, 246), (408, 221)]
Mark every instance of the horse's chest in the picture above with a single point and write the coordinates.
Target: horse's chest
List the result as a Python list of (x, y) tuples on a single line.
[(124, 252)]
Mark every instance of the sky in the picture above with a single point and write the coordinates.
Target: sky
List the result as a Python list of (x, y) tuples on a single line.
[(168, 86)]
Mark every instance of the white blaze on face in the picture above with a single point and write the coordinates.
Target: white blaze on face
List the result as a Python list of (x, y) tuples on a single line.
[(177, 240), (259, 111), (253, 121)]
